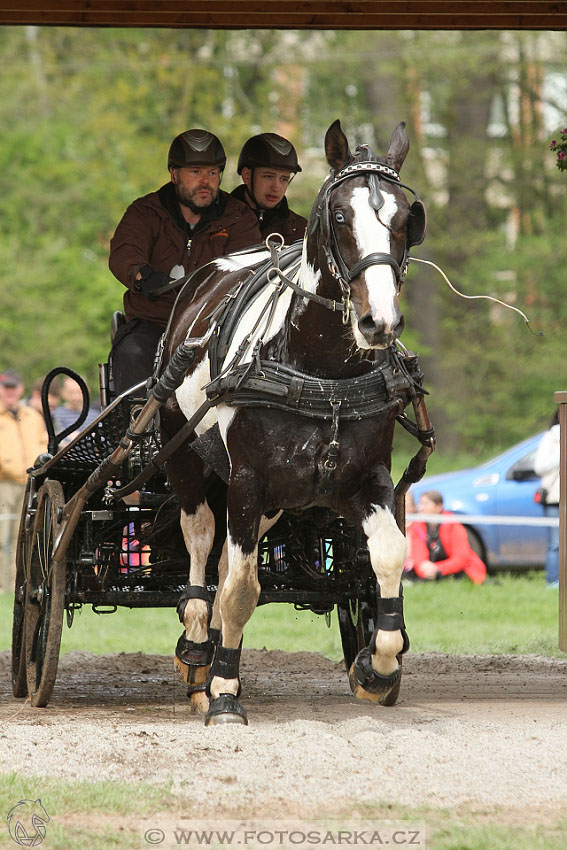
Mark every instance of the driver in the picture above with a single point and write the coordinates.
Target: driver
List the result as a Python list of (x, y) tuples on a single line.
[(167, 234), (266, 164)]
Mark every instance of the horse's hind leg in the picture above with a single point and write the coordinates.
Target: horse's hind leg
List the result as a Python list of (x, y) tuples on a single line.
[(375, 672), (194, 650)]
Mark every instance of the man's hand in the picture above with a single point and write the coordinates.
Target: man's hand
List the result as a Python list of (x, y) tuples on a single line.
[(148, 280), (428, 570)]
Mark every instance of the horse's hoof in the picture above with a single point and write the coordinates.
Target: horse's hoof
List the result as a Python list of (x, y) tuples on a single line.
[(367, 684), (225, 709), (198, 702)]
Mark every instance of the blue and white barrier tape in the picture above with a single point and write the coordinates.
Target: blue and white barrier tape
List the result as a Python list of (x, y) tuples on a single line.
[(472, 519)]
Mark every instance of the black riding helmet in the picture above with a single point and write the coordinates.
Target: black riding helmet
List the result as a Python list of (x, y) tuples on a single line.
[(268, 149), (196, 147)]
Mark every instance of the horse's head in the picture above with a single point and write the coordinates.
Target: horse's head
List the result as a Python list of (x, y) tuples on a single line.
[(363, 227)]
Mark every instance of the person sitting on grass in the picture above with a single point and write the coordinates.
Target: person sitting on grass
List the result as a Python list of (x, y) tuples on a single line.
[(441, 549)]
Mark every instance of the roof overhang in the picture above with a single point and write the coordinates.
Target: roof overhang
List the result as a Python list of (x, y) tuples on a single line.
[(290, 14)]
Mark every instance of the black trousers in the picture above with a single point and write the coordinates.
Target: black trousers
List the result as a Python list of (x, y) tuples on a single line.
[(133, 353)]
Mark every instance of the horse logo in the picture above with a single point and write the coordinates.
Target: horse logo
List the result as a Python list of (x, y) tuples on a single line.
[(26, 823)]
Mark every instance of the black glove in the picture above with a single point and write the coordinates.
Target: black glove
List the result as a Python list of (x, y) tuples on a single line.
[(151, 279)]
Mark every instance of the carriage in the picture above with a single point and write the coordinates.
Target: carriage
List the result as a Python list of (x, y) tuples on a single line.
[(100, 522)]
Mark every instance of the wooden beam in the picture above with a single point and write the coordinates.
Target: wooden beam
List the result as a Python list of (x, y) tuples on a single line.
[(290, 14)]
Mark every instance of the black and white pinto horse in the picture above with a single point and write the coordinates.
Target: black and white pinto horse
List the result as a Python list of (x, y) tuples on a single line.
[(339, 321)]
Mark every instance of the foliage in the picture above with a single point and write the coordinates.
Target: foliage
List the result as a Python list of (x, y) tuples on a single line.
[(560, 149), (87, 116)]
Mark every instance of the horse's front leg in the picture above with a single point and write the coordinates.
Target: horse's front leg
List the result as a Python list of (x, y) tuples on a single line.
[(194, 650), (238, 598), (375, 672)]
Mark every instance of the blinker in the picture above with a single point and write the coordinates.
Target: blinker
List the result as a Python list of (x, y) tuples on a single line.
[(376, 198)]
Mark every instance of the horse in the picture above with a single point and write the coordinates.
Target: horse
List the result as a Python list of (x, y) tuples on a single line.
[(331, 325)]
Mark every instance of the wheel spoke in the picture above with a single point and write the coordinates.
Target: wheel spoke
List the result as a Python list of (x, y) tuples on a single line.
[(45, 601)]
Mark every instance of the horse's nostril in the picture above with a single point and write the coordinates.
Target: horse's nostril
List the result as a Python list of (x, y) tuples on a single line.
[(367, 325)]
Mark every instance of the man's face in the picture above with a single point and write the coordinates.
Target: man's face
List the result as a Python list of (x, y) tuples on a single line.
[(10, 396), (72, 394), (196, 186), (270, 185)]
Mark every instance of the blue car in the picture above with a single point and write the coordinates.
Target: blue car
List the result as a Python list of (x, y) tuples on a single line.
[(502, 487)]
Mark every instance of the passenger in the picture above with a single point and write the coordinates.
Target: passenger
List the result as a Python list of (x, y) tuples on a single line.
[(439, 550), (266, 163), (167, 234)]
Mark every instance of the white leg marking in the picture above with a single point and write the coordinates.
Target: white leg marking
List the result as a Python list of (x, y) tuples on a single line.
[(387, 547), (198, 532), (238, 600)]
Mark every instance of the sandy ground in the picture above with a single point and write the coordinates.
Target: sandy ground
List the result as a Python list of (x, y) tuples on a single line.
[(481, 730)]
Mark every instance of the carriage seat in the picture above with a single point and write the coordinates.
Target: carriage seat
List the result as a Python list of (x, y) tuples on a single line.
[(106, 380), (118, 319)]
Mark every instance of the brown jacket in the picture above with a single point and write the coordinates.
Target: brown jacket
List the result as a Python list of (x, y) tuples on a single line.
[(153, 232), (279, 220), (22, 438)]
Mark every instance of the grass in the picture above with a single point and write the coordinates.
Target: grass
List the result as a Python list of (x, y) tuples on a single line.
[(510, 614), (101, 815)]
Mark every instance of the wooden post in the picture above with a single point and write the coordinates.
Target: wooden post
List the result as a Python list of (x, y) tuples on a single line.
[(560, 398)]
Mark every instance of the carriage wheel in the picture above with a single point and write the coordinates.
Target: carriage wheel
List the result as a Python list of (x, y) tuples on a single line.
[(45, 597), (23, 548), (357, 622)]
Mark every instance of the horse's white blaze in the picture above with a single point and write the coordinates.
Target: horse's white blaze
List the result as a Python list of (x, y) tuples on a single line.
[(373, 236)]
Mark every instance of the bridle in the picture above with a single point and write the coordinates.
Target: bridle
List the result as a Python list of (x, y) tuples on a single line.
[(335, 261)]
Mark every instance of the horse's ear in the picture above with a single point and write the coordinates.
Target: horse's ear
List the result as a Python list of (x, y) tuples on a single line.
[(416, 224), (336, 146), (399, 147)]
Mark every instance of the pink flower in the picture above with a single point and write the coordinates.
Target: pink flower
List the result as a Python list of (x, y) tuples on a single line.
[(553, 145), (561, 155), (564, 131)]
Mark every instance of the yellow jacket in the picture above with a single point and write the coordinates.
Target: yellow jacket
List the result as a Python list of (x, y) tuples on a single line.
[(22, 438)]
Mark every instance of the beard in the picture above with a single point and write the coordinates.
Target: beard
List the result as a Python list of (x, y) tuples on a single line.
[(190, 199)]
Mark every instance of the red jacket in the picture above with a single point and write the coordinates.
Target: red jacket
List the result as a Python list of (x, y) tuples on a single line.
[(453, 537), (153, 232)]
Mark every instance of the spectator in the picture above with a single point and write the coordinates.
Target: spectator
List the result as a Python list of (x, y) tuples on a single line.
[(439, 550), (546, 465), (266, 164), (22, 439), (68, 413), (167, 234), (53, 398)]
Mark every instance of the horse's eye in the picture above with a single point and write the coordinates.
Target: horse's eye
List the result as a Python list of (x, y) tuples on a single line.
[(339, 217)]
